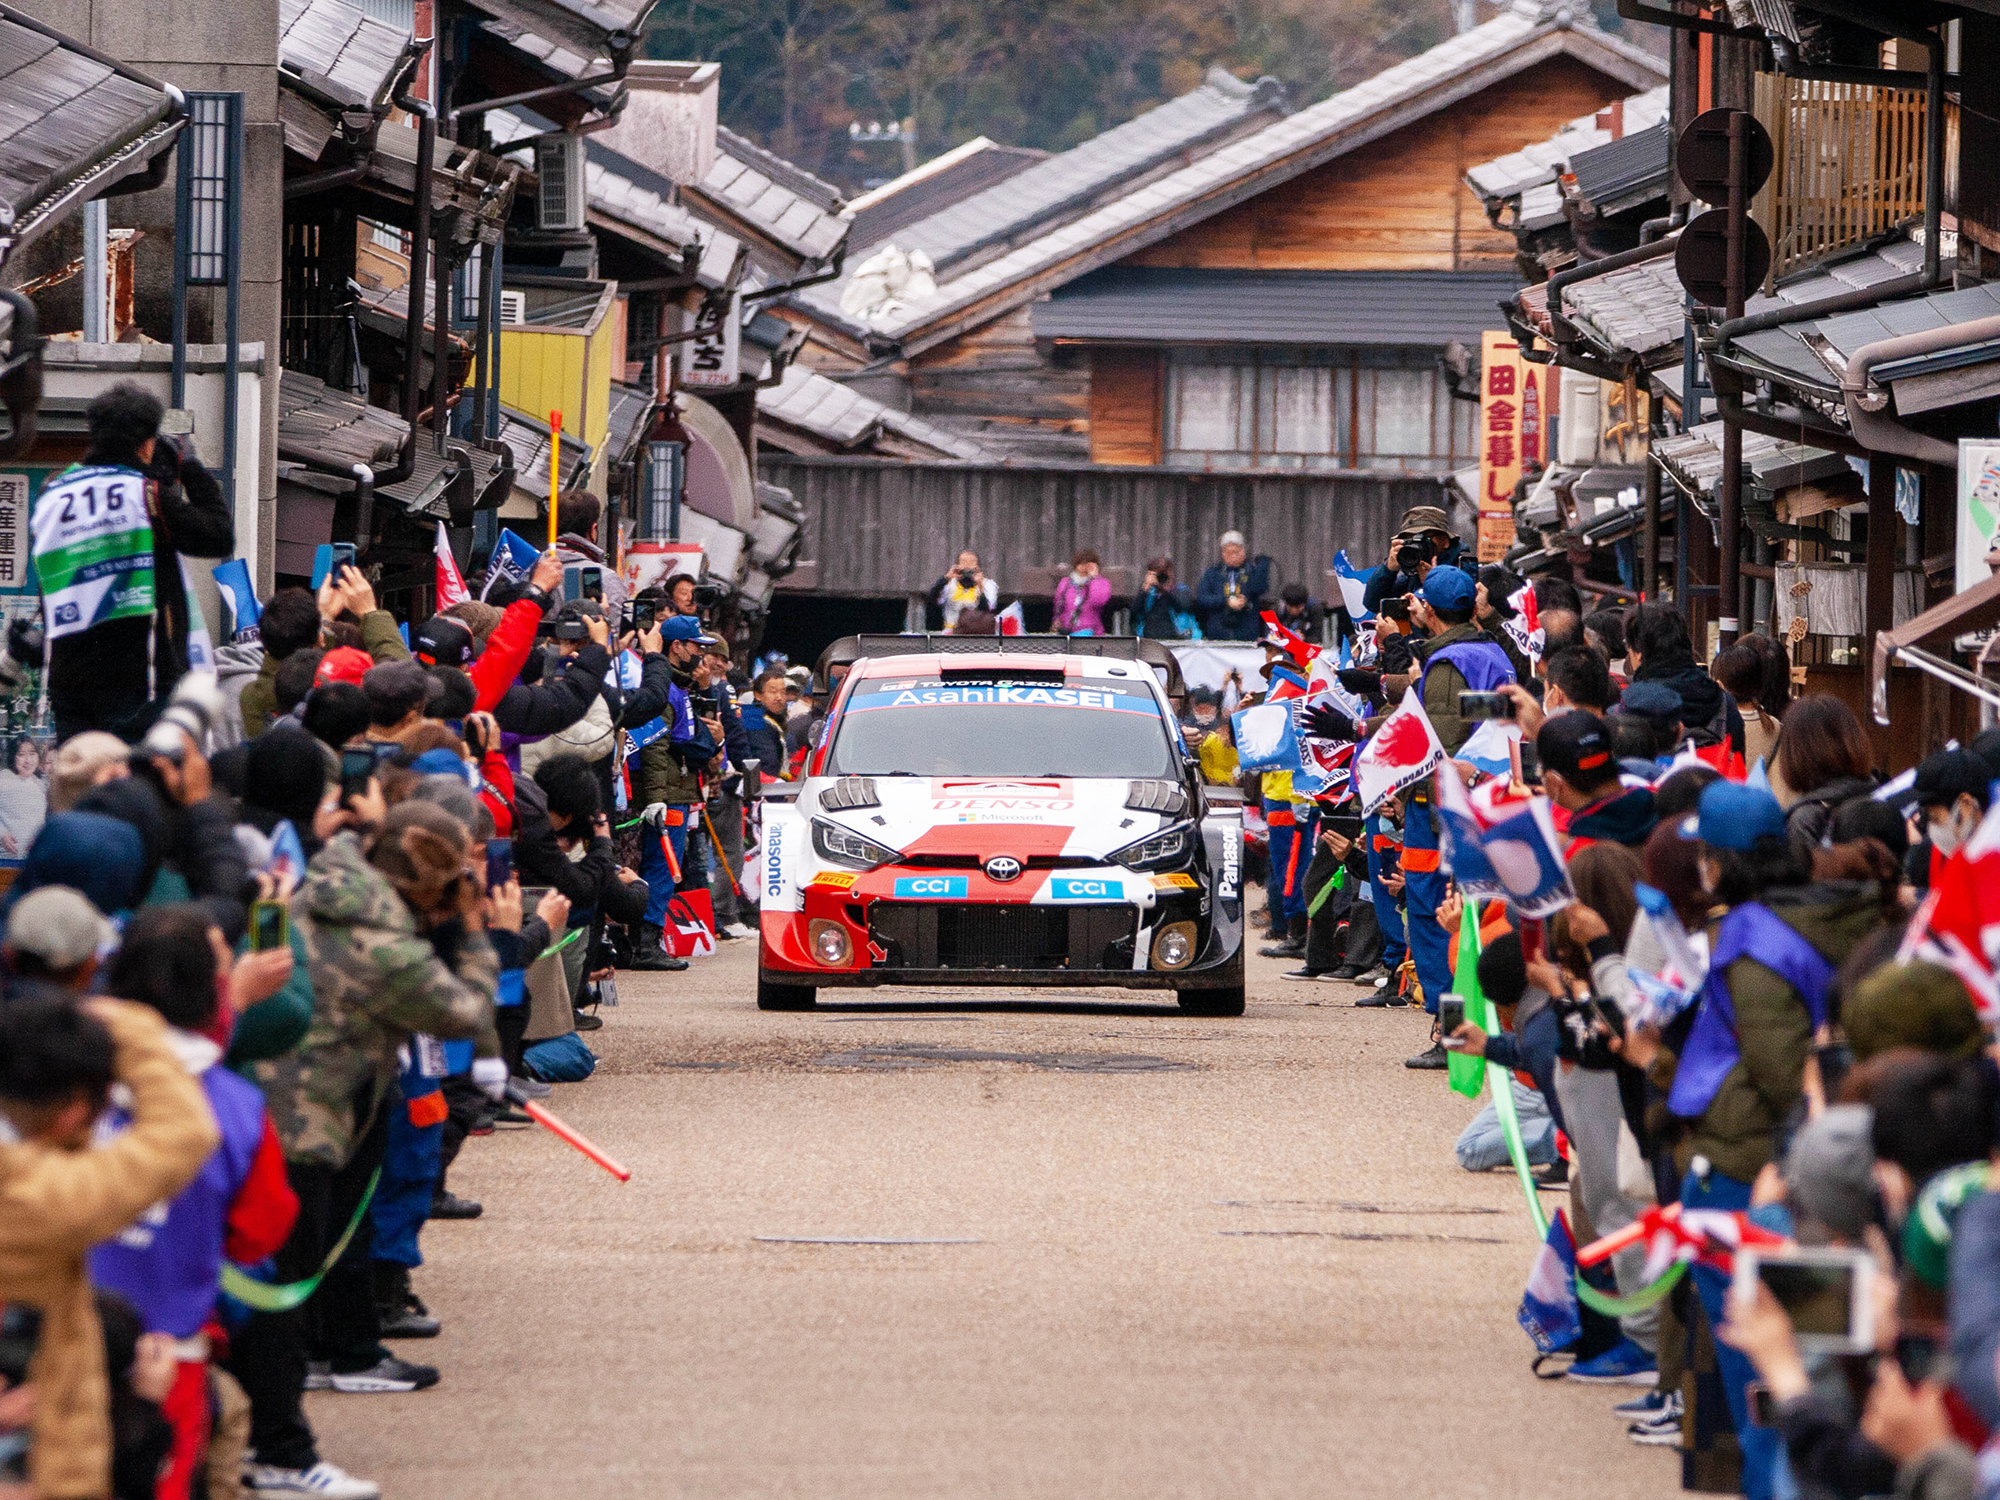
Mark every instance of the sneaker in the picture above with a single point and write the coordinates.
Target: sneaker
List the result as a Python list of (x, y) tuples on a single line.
[(1625, 1363), (532, 1088), (451, 1206), (328, 1481), (1303, 974), (1374, 978), (1285, 949), (319, 1375), (511, 1117), (1346, 973), (1433, 1059), (1663, 1428), (410, 1321), (1381, 1000), (1645, 1408), (587, 1023), (736, 930), (387, 1374), (1553, 1177)]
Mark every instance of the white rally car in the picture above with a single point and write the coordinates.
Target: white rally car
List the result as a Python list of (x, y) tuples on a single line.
[(1010, 810)]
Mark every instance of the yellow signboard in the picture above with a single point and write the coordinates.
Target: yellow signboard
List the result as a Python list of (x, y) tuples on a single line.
[(1510, 436)]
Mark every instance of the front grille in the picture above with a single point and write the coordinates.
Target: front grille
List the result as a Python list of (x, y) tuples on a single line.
[(922, 935), (976, 861)]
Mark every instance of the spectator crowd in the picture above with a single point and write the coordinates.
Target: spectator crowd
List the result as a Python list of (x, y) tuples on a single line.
[(285, 937)]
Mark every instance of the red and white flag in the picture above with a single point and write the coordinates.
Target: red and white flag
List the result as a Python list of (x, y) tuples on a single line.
[(1525, 629), (1013, 620), (1711, 1236), (451, 587), (1295, 646), (1405, 749), (1958, 924), (689, 931)]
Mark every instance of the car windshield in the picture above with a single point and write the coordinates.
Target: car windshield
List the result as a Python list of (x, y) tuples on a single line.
[(995, 726)]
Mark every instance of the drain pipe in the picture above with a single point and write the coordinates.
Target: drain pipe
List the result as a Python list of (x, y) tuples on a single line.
[(420, 244), (1867, 406), (364, 508)]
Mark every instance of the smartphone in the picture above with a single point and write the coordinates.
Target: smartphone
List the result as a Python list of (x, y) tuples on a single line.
[(1451, 1016), (1397, 608), (1485, 706), (581, 581), (1763, 1406), (270, 925), (499, 863), (356, 767), (1827, 1292), (1531, 765), (1347, 825), (644, 612), (328, 559)]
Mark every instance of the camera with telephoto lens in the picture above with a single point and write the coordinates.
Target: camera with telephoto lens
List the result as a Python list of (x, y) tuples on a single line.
[(25, 640), (194, 708), (566, 624), (710, 592), (966, 578), (1413, 550)]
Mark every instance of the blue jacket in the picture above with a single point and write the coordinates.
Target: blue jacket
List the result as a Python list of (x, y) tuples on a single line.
[(1218, 621)]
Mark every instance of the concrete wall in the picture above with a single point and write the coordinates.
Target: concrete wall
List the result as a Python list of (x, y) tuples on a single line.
[(210, 45)]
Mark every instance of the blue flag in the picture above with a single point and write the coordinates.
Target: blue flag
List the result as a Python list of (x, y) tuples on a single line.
[(1267, 739), (1549, 1313), (512, 558), (1353, 587), (233, 578)]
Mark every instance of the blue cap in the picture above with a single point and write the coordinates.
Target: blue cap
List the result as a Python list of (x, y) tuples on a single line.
[(1732, 816), (686, 628), (1446, 587)]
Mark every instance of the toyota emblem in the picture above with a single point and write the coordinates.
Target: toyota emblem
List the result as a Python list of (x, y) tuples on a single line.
[(1003, 868)]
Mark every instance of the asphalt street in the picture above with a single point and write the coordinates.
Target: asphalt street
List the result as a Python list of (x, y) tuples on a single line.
[(1037, 1244)]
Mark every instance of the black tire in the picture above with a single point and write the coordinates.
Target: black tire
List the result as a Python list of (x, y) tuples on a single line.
[(1217, 1002), (774, 996)]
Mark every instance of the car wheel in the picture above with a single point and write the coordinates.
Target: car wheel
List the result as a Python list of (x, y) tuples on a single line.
[(771, 996), (1218, 1002)]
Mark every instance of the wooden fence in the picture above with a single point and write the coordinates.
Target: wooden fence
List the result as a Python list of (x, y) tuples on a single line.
[(880, 527), (1850, 165)]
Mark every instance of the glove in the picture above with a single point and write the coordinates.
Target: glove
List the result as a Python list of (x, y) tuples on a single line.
[(655, 815), (1360, 681), (489, 1076), (1329, 723)]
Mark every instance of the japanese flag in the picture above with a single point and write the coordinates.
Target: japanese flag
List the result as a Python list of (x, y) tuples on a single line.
[(1404, 750), (1013, 619), (451, 587)]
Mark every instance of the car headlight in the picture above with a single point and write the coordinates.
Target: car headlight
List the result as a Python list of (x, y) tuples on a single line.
[(1155, 851), (843, 846)]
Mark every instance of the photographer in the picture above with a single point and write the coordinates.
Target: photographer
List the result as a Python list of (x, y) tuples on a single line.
[(108, 540), (1422, 541), (557, 687), (670, 788), (962, 587), (1231, 592)]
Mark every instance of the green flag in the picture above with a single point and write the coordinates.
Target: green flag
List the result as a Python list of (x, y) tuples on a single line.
[(1466, 1073)]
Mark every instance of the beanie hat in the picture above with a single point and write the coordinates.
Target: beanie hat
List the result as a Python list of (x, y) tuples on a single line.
[(1912, 1005)]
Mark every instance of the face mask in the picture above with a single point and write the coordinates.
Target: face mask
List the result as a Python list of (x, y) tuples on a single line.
[(1949, 836)]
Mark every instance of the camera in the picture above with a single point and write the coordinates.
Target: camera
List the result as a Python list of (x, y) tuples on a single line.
[(194, 707), (25, 640), (966, 578), (566, 624), (710, 592), (1413, 549)]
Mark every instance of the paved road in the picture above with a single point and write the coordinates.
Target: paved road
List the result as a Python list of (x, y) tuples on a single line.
[(1173, 1257)]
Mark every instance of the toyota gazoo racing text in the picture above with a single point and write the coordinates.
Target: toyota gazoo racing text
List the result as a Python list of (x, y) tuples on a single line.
[(1001, 818)]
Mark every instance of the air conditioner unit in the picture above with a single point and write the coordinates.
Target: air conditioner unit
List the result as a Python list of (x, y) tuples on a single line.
[(513, 307), (559, 203)]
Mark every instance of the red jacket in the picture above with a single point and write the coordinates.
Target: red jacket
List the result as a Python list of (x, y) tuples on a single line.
[(494, 670), (496, 790)]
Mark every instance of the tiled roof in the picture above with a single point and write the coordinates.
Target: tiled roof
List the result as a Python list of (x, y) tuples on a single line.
[(1415, 308), (328, 429), (748, 187), (1694, 460), (1540, 164), (592, 28), (338, 50), (1624, 173), (844, 418), (70, 126), (938, 183), (1524, 33)]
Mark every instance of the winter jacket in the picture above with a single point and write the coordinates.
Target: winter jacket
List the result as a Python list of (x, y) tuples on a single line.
[(1080, 607), (1808, 818), (767, 740), (649, 699), (114, 675), (532, 710), (54, 1205), (382, 637), (1443, 684), (238, 666), (1211, 600), (670, 768), (1385, 582), (259, 703), (1154, 610), (497, 668), (1626, 817), (1774, 1029), (1707, 713), (377, 979), (539, 859)]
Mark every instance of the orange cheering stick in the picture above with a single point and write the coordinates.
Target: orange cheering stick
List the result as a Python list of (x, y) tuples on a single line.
[(567, 1134)]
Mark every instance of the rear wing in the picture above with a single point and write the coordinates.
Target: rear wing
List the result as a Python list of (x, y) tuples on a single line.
[(1154, 654)]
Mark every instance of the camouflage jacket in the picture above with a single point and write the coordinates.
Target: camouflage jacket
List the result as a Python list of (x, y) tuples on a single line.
[(376, 979)]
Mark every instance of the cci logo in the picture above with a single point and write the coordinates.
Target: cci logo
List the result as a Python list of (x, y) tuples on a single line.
[(931, 887), (1003, 868), (1087, 888)]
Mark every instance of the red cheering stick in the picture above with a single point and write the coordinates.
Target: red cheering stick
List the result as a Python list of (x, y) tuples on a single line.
[(567, 1134)]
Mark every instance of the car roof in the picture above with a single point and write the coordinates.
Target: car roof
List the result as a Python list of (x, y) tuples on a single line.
[(1000, 663)]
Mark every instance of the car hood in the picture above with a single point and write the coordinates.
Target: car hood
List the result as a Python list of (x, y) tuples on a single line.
[(1079, 817)]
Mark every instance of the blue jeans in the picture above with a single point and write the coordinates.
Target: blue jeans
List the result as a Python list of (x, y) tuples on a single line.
[(654, 871), (1765, 1476), (1482, 1146), (1388, 916), (1422, 891)]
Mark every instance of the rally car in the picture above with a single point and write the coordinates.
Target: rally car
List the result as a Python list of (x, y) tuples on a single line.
[(1001, 810)]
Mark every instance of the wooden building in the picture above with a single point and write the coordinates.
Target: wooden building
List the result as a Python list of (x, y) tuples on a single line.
[(1275, 296)]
